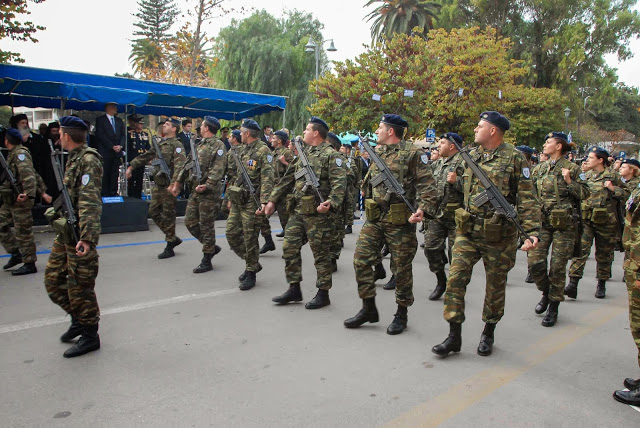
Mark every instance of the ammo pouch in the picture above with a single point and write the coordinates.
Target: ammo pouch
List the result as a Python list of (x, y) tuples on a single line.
[(308, 204), (493, 229), (397, 214), (60, 226), (463, 221), (161, 179), (449, 211), (236, 195), (600, 216), (372, 210), (560, 219)]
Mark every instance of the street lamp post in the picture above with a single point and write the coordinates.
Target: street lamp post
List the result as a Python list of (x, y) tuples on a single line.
[(567, 113), (311, 46)]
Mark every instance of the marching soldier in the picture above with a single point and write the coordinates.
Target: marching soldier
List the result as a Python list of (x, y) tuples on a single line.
[(235, 142), (353, 191), (282, 164), (163, 203), (389, 220), (339, 216), (447, 171), (243, 225), (205, 196), (599, 214), (309, 217), (137, 144), (561, 187), (70, 275), (481, 233), (630, 173)]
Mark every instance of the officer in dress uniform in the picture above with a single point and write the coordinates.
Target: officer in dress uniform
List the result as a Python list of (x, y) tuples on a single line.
[(137, 144)]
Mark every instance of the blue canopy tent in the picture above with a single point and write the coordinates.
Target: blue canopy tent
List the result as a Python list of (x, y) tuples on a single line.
[(37, 87)]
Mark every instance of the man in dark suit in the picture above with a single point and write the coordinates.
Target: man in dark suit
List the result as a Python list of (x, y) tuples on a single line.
[(111, 136), (185, 136), (266, 137)]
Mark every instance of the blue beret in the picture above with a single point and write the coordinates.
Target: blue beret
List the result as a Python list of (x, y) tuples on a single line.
[(559, 135), (319, 121), (282, 134), (453, 136), (633, 162), (525, 149), (174, 122), (212, 120), (14, 133), (237, 134), (73, 122), (599, 151), (394, 120), (251, 124), (495, 118)]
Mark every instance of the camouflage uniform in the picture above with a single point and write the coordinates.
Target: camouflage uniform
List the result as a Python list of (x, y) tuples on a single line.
[(70, 280), (279, 169), (443, 227), (305, 222), (339, 216), (631, 241), (353, 191), (21, 165), (163, 204), (508, 170), (243, 225), (554, 195), (600, 223), (413, 173), (203, 208)]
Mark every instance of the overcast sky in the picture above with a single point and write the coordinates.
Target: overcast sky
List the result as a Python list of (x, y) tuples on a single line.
[(97, 33)]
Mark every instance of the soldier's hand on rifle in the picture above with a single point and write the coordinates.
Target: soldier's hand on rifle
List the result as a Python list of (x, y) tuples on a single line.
[(528, 245), (260, 210), (451, 177), (82, 248), (200, 188), (324, 207), (270, 208), (129, 173), (174, 189), (46, 198), (418, 216), (22, 197), (566, 174), (609, 185)]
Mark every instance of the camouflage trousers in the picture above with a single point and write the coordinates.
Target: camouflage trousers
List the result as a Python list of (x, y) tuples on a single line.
[(317, 229), (283, 216), (20, 238), (605, 236), (351, 200), (70, 282), (337, 221), (435, 242), (243, 228), (552, 280), (634, 308), (163, 211), (403, 245), (200, 216), (265, 226), (498, 258)]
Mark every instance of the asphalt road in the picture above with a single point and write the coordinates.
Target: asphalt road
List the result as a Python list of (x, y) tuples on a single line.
[(180, 349)]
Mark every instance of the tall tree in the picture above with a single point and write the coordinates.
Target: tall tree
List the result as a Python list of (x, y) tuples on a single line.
[(14, 29), (155, 19), (400, 16)]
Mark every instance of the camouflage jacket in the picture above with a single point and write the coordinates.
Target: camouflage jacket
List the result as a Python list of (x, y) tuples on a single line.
[(21, 165), (83, 178), (453, 192), (212, 156), (600, 196), (631, 235), (328, 166), (279, 169), (173, 153), (258, 161), (412, 171), (547, 176), (509, 170), (631, 184)]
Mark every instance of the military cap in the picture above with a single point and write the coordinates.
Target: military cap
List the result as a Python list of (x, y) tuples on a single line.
[(534, 158), (251, 124), (13, 132), (73, 122), (497, 119), (282, 135), (632, 162), (452, 136), (559, 135), (525, 149), (394, 120), (234, 127), (53, 125), (237, 134), (318, 121), (212, 120), (334, 140), (175, 122), (134, 118), (226, 128), (347, 144), (13, 121), (600, 152)]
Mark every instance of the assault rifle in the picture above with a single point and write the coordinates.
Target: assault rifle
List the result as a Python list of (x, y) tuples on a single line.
[(244, 177), (195, 163), (160, 161), (63, 201), (8, 175), (491, 193), (306, 171)]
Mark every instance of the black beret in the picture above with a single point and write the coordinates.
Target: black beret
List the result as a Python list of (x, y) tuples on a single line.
[(495, 118), (319, 121), (212, 120), (226, 128), (334, 140), (53, 125), (633, 162), (13, 121), (175, 122), (237, 134), (559, 135), (600, 152), (525, 149), (394, 120), (13, 132), (251, 124), (235, 127), (73, 122), (452, 136), (283, 135)]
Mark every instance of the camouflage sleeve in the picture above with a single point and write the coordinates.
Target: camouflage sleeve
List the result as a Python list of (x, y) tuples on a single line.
[(26, 174), (621, 190), (526, 202), (41, 187), (89, 202), (217, 166), (338, 180), (285, 183), (179, 159), (143, 159), (459, 169), (182, 173), (288, 155), (578, 188), (426, 192), (266, 174)]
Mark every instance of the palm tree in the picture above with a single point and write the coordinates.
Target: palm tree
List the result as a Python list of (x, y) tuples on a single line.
[(146, 55), (400, 16)]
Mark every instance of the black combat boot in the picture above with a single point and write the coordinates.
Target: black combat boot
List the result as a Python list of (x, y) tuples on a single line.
[(385, 250), (15, 260), (529, 279), (600, 289), (368, 313), (205, 265), (25, 269), (485, 348), (542, 305), (89, 341), (440, 287), (631, 398), (293, 294), (249, 281), (75, 330), (551, 317), (320, 300), (334, 265), (269, 245), (452, 343), (399, 322), (379, 272), (168, 250), (630, 383), (571, 290), (391, 285), (280, 235), (348, 230), (244, 274)]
